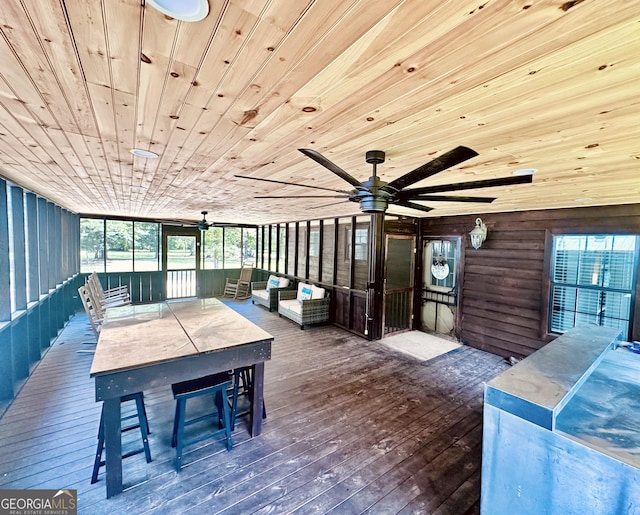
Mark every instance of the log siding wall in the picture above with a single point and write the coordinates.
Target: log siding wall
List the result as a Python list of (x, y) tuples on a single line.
[(504, 285)]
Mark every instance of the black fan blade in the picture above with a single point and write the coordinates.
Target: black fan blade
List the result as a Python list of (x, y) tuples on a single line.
[(469, 185), (232, 224), (320, 159), (446, 160), (303, 196), (447, 198), (291, 184), (413, 205), (327, 205), (180, 223)]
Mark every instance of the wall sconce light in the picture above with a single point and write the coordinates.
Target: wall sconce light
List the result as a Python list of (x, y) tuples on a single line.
[(478, 234)]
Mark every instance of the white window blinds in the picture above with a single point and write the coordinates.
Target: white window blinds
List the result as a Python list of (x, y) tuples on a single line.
[(592, 281)]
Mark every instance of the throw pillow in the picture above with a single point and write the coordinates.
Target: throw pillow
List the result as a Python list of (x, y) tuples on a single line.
[(317, 292), (305, 293), (273, 282), (284, 282)]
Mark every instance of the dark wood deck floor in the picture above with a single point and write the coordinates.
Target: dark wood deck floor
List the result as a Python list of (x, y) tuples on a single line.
[(353, 427)]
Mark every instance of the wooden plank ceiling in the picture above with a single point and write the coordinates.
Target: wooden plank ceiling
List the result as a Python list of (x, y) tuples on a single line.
[(541, 84)]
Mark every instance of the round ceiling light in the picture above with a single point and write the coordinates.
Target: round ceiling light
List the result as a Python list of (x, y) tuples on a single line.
[(185, 10), (524, 171), (143, 153)]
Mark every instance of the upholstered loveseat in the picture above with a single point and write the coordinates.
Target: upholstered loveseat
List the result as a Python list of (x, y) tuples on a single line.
[(265, 293), (309, 304)]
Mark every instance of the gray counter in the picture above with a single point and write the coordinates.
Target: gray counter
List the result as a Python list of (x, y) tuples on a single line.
[(562, 430)]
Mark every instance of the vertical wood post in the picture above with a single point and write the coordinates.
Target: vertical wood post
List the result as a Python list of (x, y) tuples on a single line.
[(375, 285)]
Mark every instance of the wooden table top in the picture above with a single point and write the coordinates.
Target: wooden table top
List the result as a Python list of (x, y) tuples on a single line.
[(141, 335)]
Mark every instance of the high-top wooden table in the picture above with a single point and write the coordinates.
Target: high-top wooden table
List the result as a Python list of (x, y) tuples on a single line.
[(148, 345)]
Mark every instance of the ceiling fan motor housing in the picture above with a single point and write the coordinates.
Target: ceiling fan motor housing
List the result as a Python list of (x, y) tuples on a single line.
[(374, 156), (373, 196), (203, 225)]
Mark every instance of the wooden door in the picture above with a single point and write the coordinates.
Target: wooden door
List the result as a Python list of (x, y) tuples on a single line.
[(440, 285), (180, 261)]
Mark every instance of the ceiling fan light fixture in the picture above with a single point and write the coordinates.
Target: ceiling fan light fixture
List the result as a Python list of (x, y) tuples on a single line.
[(373, 204), (184, 10), (143, 153)]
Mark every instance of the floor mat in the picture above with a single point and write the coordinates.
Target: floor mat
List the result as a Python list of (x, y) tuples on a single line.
[(420, 345)]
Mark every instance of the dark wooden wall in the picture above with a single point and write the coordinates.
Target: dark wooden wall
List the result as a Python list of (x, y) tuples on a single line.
[(504, 292)]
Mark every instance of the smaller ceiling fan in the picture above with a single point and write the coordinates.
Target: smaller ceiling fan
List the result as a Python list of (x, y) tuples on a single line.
[(203, 225), (375, 195)]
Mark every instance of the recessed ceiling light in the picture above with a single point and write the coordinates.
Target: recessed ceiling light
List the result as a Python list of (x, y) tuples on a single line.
[(185, 10), (143, 153), (525, 171), (583, 199)]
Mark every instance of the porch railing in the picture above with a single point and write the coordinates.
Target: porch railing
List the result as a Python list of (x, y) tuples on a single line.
[(181, 283)]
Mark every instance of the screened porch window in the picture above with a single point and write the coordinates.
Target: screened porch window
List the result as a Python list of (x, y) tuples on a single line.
[(593, 281), (361, 244)]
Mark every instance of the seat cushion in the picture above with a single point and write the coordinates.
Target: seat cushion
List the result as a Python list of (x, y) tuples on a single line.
[(201, 383), (261, 294), (292, 305)]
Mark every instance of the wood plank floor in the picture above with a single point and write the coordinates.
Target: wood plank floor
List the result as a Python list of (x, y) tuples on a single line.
[(352, 427)]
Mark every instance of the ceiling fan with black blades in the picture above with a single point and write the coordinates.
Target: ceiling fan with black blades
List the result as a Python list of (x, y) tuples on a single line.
[(204, 225), (375, 195)]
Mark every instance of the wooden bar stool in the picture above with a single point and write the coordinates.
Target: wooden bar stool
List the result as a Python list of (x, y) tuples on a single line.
[(142, 423), (243, 385), (216, 384)]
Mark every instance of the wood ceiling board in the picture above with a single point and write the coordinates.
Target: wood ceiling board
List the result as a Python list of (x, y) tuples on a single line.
[(158, 41), (274, 69), (377, 52), (94, 184), (122, 25), (19, 144), (59, 47), (183, 143), (46, 138), (462, 82), (229, 37), (16, 27), (314, 57), (86, 19), (15, 85), (471, 84), (102, 100)]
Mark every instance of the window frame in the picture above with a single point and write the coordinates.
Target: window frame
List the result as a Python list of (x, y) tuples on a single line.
[(454, 266), (547, 282), (359, 247)]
